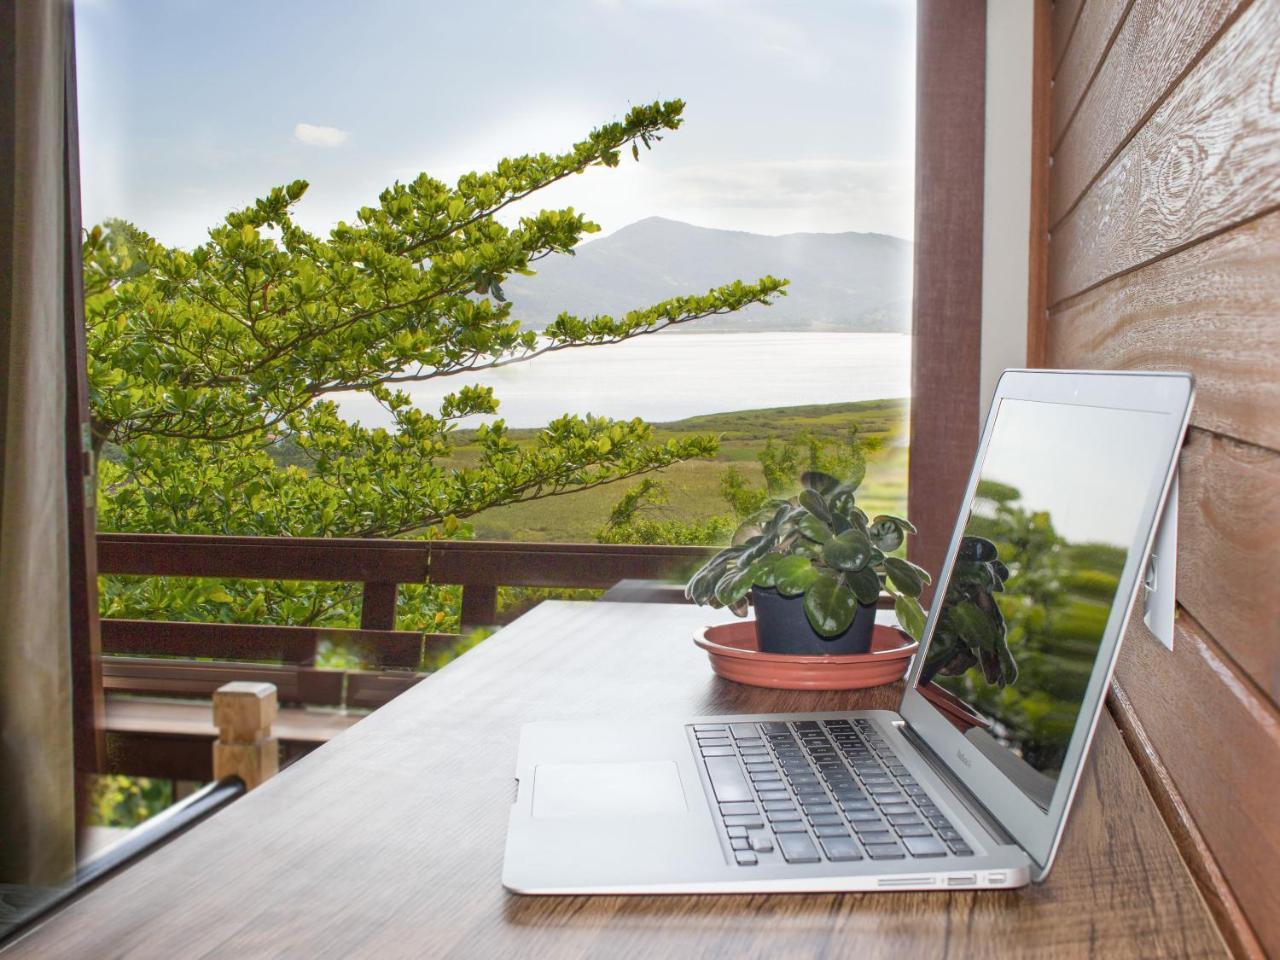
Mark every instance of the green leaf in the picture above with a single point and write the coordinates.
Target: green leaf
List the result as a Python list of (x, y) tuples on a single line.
[(830, 605), (910, 615), (755, 548), (849, 551), (793, 575), (866, 584), (886, 534), (822, 483), (733, 586), (812, 501), (906, 576), (806, 548), (902, 524), (702, 585), (763, 571), (813, 528)]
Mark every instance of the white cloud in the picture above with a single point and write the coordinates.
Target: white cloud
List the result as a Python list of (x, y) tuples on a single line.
[(317, 136), (772, 197)]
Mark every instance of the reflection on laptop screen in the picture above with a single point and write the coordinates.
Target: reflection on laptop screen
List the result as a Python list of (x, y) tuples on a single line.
[(1055, 512)]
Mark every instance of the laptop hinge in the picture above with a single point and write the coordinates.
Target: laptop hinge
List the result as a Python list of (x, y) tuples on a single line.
[(963, 793)]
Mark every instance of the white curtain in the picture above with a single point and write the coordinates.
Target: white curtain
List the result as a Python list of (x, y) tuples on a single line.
[(37, 792)]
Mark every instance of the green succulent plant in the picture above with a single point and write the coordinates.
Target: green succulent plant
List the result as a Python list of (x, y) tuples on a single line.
[(971, 629), (819, 545)]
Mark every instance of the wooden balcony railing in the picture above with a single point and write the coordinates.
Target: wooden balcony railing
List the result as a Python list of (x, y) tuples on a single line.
[(479, 567), (149, 659)]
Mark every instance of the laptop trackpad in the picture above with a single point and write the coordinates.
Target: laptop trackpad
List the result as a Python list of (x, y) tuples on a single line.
[(607, 789)]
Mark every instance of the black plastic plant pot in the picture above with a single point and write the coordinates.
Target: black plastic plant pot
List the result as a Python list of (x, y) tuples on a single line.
[(782, 627)]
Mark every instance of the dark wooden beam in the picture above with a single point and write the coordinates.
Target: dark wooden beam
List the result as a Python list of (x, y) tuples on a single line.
[(251, 641), (392, 561), (947, 321), (264, 558), (1038, 247), (595, 565)]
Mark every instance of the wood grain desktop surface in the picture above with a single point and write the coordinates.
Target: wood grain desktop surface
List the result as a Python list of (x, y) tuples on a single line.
[(388, 840)]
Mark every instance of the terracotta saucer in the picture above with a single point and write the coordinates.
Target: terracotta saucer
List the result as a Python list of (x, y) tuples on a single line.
[(962, 716), (735, 656)]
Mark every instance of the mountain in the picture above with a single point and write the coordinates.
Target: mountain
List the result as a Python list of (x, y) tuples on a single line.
[(839, 281)]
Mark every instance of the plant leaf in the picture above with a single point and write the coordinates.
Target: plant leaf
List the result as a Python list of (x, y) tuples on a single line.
[(755, 548), (702, 585), (822, 483), (733, 586), (793, 575), (910, 615), (830, 605), (813, 528), (866, 584), (849, 551), (763, 571), (906, 576), (886, 534), (812, 501)]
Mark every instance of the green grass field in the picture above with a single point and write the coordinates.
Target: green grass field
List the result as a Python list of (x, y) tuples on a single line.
[(693, 487)]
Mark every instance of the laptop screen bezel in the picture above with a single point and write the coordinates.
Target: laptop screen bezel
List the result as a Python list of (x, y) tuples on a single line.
[(1036, 830)]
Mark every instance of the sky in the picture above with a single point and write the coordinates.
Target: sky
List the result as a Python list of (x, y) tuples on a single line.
[(1090, 468), (799, 115)]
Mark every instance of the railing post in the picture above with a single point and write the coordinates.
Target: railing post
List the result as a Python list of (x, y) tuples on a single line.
[(378, 606), (479, 605), (243, 712)]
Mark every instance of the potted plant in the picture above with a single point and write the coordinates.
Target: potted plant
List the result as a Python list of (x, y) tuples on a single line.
[(814, 566)]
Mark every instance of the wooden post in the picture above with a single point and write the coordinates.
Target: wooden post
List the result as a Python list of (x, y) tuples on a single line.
[(479, 605), (378, 607), (242, 712)]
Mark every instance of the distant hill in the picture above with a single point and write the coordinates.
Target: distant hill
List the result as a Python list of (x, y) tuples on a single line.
[(839, 281)]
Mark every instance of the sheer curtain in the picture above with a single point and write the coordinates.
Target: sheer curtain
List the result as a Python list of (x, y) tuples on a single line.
[(37, 791)]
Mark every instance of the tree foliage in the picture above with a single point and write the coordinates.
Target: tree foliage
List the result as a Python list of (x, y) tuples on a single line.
[(202, 361)]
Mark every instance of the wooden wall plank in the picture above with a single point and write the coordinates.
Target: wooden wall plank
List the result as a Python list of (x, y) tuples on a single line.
[(1207, 159), (1165, 202), (1098, 23), (1210, 309), (1065, 15), (1219, 740), (1218, 895), (1229, 551), (1157, 43)]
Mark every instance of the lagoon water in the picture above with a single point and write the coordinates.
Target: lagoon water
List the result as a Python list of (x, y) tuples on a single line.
[(670, 376)]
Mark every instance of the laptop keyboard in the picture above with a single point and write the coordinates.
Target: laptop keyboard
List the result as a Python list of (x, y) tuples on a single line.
[(814, 791)]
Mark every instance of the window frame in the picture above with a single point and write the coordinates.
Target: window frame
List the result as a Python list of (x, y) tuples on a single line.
[(947, 303)]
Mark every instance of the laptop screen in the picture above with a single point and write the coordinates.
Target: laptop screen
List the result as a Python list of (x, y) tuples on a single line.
[(1055, 511)]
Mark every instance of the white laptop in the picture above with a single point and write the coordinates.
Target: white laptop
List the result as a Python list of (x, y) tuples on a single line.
[(968, 784)]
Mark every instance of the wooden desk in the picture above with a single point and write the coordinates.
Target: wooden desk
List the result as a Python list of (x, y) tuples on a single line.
[(388, 840)]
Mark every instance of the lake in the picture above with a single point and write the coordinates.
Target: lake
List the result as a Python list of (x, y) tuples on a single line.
[(663, 377)]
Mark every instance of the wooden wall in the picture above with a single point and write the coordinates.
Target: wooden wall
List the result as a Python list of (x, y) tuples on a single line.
[(1163, 210)]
